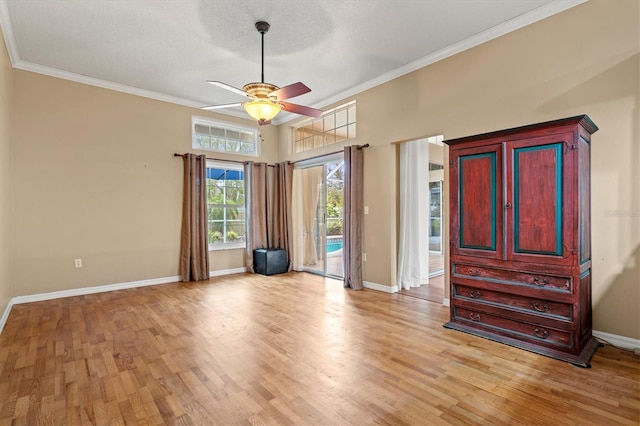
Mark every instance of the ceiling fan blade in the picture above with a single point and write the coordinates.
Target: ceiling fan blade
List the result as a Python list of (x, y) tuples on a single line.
[(301, 109), (290, 91), (228, 87), (221, 106)]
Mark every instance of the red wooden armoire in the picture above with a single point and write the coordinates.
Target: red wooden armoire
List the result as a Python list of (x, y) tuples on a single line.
[(520, 237)]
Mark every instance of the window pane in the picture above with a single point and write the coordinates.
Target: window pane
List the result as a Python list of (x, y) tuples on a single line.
[(247, 137), (216, 213), (330, 137), (233, 135), (215, 193), (232, 145), (352, 131), (216, 232), (341, 134), (246, 147), (329, 122), (317, 141), (236, 231), (341, 118), (217, 144), (201, 129), (201, 141), (217, 132), (352, 114)]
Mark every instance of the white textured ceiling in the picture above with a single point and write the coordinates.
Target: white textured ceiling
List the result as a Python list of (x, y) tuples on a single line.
[(167, 49)]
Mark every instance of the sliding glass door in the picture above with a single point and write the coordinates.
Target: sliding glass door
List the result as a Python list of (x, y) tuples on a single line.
[(322, 217)]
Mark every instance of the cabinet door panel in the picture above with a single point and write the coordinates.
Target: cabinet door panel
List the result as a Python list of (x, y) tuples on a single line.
[(539, 220), (477, 212), (584, 195)]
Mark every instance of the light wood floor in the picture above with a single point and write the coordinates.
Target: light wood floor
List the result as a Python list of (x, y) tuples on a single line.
[(434, 291), (286, 349)]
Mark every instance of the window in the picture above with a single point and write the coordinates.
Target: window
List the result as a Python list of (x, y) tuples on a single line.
[(214, 136), (336, 125), (225, 205)]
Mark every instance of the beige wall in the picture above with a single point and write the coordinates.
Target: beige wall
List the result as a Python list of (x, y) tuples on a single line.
[(96, 179), (582, 61), (6, 204)]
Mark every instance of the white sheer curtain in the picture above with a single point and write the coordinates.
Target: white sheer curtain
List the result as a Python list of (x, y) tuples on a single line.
[(413, 242), (306, 188)]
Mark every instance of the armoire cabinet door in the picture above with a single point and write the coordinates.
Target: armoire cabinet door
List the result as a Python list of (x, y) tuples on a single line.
[(540, 200), (476, 202)]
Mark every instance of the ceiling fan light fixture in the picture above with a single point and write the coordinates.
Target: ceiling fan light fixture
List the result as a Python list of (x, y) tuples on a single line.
[(262, 109), (267, 99)]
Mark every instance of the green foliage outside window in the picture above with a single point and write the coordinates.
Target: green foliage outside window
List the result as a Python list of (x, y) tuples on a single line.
[(226, 209)]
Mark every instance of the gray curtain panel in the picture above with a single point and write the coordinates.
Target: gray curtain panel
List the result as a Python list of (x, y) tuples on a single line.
[(282, 221), (353, 214), (255, 175), (194, 246)]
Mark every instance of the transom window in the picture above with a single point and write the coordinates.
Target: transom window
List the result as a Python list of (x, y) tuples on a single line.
[(225, 205), (336, 125), (220, 137)]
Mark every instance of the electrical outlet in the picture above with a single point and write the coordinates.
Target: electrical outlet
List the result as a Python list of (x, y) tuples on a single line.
[(78, 263), (364, 257), (366, 209)]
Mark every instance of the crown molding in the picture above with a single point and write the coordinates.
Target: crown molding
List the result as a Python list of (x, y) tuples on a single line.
[(96, 82)]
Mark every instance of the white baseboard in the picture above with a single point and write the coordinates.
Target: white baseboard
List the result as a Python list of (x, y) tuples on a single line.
[(380, 287), (100, 289), (92, 290), (5, 315), (618, 341), (227, 272)]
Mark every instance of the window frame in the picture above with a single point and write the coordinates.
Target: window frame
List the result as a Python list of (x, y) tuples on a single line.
[(226, 165), (319, 134), (227, 127)]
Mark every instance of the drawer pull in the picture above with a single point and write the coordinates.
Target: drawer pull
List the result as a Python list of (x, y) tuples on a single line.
[(540, 282), (541, 334), (474, 317), (474, 294), (544, 308), (474, 272)]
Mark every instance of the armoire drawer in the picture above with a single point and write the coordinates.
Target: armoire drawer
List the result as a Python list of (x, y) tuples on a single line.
[(525, 304), (549, 282), (522, 330)]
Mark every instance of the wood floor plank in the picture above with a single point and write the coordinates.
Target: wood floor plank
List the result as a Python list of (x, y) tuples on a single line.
[(287, 349)]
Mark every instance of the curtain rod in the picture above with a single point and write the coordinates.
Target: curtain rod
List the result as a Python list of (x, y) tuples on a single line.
[(366, 145), (175, 154)]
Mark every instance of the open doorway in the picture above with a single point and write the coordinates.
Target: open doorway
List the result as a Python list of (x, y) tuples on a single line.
[(433, 186)]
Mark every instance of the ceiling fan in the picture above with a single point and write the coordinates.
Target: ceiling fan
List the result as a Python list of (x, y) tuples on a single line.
[(267, 99)]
